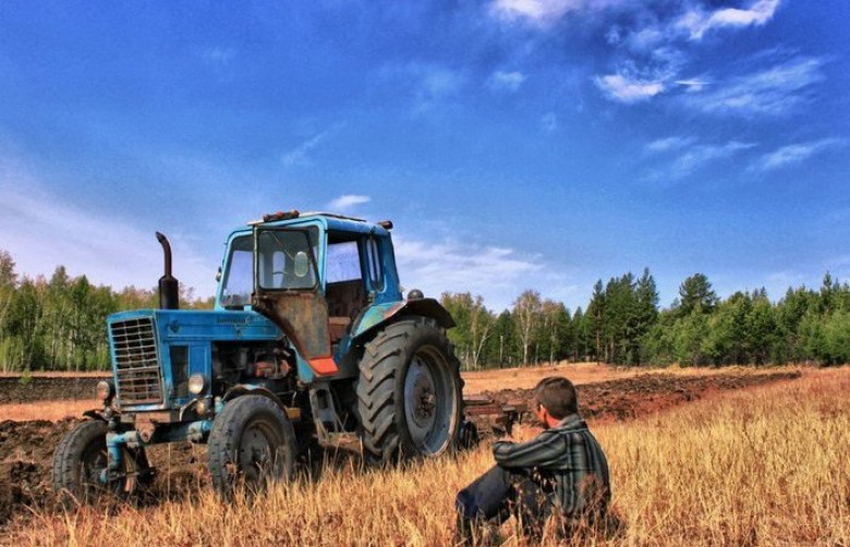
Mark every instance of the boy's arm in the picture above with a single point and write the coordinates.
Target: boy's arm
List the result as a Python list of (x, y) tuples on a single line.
[(543, 450)]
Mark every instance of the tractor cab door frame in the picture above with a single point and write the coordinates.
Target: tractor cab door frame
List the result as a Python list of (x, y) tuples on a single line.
[(288, 290)]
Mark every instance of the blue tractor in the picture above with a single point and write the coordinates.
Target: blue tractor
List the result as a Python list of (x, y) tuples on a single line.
[(310, 342)]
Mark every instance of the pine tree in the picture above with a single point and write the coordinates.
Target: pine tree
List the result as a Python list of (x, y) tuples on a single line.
[(696, 293), (596, 315)]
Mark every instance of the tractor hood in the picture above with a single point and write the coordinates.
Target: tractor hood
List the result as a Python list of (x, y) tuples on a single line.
[(155, 351)]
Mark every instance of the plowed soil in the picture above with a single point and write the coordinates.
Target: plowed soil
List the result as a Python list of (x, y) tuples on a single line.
[(627, 398), (26, 448)]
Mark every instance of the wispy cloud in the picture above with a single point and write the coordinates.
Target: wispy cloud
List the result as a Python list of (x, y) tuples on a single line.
[(691, 157), (348, 201), (697, 21), (449, 266), (693, 85), (700, 155), (108, 249), (300, 154), (668, 144), (626, 90), (506, 81), (535, 12), (794, 154), (660, 43), (773, 91)]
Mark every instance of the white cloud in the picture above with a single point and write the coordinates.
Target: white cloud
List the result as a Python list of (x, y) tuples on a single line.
[(544, 13), (496, 273), (774, 91), (700, 155), (697, 22), (647, 38), (693, 85), (668, 144), (626, 90), (652, 52), (536, 12), (506, 81), (42, 231), (300, 154), (795, 153), (348, 201), (693, 158)]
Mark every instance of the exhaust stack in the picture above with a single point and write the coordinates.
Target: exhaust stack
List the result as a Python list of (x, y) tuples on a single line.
[(169, 287)]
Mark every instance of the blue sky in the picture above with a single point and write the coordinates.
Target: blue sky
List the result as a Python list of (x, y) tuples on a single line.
[(515, 143)]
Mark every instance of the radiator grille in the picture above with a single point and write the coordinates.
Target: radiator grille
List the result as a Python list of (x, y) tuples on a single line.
[(137, 361)]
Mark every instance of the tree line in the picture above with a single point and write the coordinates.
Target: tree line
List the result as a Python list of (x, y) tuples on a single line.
[(59, 324), (623, 324)]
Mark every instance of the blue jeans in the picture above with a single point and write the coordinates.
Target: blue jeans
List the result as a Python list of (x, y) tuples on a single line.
[(498, 494)]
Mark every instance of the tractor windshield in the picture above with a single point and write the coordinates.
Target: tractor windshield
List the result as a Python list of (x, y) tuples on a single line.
[(286, 260)]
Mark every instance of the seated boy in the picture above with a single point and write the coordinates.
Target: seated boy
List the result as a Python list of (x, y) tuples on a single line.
[(562, 473)]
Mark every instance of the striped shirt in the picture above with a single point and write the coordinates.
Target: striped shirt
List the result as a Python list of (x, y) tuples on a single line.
[(567, 463)]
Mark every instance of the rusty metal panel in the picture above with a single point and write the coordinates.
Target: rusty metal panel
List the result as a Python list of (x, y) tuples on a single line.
[(303, 318)]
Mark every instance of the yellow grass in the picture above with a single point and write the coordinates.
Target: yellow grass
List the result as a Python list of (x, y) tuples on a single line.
[(47, 410), (767, 466)]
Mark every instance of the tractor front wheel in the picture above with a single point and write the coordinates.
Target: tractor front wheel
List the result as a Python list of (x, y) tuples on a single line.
[(251, 442), (80, 461), (409, 392)]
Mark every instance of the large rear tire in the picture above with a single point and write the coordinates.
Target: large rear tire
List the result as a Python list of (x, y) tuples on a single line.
[(80, 460), (409, 392), (251, 442)]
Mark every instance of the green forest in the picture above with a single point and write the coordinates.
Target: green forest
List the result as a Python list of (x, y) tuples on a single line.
[(623, 325), (60, 324)]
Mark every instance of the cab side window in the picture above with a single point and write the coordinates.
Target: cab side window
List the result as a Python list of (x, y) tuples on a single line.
[(373, 262)]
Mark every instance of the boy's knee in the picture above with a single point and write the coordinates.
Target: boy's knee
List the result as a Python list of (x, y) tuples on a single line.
[(465, 505)]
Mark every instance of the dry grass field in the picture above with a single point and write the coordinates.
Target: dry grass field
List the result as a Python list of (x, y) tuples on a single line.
[(46, 410), (760, 466)]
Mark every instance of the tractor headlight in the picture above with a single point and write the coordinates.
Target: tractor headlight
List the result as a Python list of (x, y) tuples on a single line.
[(104, 390), (197, 384)]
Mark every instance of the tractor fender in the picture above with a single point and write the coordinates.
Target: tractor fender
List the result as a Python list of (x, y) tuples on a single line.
[(249, 389), (382, 314)]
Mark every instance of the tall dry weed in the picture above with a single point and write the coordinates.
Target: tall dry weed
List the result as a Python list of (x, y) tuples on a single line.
[(768, 466)]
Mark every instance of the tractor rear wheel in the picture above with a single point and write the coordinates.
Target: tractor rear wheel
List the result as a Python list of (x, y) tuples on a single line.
[(80, 460), (409, 392), (251, 442)]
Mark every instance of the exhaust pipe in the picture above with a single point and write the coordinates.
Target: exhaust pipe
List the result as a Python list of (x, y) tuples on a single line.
[(169, 287)]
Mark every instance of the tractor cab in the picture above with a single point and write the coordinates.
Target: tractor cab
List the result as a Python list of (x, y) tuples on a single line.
[(316, 277)]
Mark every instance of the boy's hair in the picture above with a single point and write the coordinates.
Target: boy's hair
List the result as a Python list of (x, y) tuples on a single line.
[(557, 395)]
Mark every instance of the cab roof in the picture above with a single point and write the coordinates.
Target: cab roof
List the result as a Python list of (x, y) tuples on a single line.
[(332, 221)]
